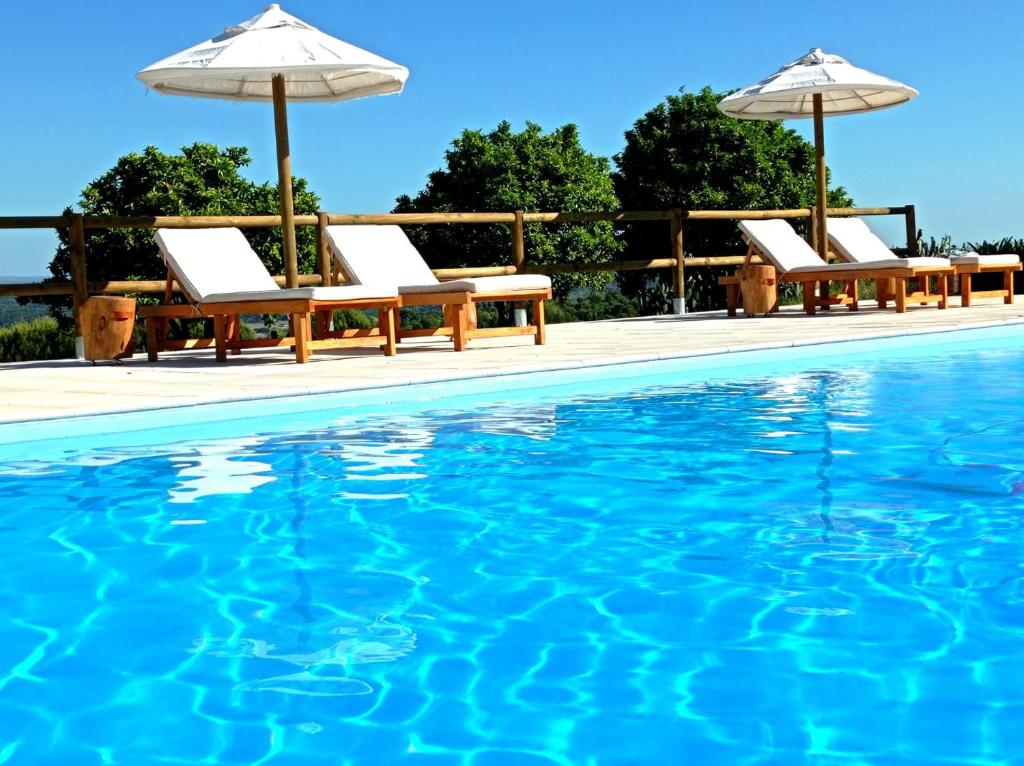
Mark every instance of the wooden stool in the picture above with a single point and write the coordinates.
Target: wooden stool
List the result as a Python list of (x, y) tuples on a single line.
[(107, 324), (759, 288)]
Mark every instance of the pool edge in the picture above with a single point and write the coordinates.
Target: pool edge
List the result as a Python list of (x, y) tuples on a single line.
[(728, 353)]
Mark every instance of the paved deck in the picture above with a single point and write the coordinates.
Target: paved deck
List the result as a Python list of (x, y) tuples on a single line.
[(38, 390)]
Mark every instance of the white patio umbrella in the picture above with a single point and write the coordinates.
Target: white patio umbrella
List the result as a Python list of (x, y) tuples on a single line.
[(276, 57), (817, 85)]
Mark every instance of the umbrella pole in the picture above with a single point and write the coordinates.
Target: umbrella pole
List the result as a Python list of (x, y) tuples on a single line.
[(284, 181), (820, 174)]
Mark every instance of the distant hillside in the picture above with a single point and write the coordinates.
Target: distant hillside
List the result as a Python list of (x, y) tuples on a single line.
[(10, 311)]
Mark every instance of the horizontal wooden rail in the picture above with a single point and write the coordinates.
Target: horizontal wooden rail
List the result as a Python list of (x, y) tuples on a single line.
[(34, 222), (419, 218), (760, 215), (479, 271), (625, 216), (152, 286), (590, 268), (721, 260), (191, 221), (739, 215), (36, 289)]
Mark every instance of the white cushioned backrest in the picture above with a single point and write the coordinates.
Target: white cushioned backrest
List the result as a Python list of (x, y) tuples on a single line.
[(210, 261), (378, 255), (853, 240), (780, 244)]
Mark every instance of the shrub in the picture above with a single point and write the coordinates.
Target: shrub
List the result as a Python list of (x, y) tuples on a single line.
[(39, 339), (353, 319), (610, 305)]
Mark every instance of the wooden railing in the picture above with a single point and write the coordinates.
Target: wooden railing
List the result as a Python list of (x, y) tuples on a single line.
[(80, 288)]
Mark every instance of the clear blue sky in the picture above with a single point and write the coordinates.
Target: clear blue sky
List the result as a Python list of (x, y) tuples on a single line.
[(73, 105)]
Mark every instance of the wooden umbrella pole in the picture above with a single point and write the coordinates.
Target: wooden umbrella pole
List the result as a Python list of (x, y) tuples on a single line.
[(284, 175), (820, 174)]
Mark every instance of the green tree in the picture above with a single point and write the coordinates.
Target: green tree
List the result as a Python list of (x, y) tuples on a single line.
[(201, 180), (502, 171), (686, 153)]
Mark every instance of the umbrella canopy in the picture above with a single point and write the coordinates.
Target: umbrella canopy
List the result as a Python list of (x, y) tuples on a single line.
[(816, 85), (276, 57)]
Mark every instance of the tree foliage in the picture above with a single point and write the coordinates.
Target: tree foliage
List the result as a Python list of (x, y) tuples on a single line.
[(201, 180), (502, 171), (685, 153)]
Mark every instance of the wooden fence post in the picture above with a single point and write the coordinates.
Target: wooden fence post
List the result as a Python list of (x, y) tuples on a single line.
[(812, 235), (910, 214), (518, 242), (519, 262), (323, 250), (79, 278), (679, 273)]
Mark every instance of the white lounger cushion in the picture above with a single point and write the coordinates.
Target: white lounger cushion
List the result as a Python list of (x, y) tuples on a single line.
[(888, 263), (213, 261), (372, 253), (972, 259), (339, 294), (855, 242), (219, 266), (501, 284), (781, 245)]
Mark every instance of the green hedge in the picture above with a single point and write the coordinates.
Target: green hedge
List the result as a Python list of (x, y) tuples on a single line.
[(36, 340)]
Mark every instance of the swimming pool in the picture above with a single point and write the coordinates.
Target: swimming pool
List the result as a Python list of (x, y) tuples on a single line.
[(798, 560)]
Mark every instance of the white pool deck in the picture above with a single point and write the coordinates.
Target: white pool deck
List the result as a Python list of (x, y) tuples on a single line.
[(64, 389)]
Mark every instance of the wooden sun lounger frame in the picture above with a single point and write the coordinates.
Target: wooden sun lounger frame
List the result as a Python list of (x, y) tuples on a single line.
[(459, 309), (898, 278), (227, 325), (966, 270)]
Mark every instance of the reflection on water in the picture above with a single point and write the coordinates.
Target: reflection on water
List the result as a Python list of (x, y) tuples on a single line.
[(218, 468)]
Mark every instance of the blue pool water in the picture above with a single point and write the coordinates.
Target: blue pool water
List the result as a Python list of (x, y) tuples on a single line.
[(820, 565)]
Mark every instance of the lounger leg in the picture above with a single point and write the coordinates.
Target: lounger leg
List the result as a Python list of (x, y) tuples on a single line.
[(220, 338), (1008, 286), (943, 286), (300, 323), (151, 338), (398, 325), (965, 290), (386, 323), (539, 337), (470, 315), (881, 286), (901, 296), (809, 297), (823, 293), (458, 311), (235, 334)]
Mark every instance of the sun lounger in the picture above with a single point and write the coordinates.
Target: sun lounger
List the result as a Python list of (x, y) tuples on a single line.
[(222, 278), (855, 242), (775, 241), (368, 253)]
